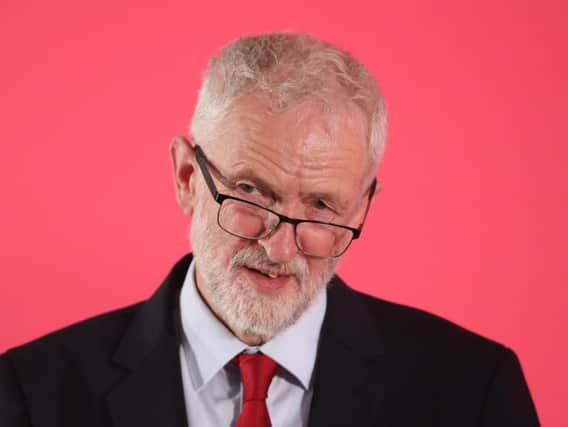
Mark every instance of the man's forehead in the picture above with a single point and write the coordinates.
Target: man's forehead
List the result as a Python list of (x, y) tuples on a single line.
[(309, 129)]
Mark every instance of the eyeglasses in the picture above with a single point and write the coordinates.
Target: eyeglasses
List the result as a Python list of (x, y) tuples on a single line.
[(251, 221)]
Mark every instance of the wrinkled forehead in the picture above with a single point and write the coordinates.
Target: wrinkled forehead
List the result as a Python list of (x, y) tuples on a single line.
[(313, 130)]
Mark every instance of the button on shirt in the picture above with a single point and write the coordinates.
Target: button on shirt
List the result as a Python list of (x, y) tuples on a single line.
[(212, 384)]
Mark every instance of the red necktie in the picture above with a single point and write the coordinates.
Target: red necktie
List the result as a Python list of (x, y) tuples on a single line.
[(257, 371)]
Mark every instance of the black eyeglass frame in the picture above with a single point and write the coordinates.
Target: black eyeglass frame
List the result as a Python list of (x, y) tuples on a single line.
[(203, 163)]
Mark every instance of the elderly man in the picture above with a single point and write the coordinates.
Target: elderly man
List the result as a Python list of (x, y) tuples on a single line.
[(254, 329)]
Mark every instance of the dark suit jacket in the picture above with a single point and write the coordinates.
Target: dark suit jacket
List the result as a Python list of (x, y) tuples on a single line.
[(378, 364)]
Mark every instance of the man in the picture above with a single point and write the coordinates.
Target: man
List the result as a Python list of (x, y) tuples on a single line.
[(253, 328)]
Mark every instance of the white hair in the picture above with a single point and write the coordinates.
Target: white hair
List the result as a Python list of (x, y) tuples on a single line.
[(290, 68)]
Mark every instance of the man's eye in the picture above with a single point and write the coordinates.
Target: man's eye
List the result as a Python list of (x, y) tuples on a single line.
[(247, 188), (320, 205)]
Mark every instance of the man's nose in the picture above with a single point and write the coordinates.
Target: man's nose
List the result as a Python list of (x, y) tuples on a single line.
[(281, 245)]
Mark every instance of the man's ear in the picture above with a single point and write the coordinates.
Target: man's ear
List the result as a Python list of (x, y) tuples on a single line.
[(183, 155)]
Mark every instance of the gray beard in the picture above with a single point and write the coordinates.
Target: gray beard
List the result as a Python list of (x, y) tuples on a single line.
[(239, 305)]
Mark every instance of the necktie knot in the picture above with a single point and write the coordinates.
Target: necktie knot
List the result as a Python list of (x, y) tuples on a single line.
[(257, 371)]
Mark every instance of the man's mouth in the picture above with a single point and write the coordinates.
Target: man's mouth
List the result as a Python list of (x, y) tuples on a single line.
[(266, 279), (268, 273)]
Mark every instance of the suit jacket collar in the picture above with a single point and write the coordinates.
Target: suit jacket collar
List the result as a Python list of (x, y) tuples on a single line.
[(347, 374), (151, 392)]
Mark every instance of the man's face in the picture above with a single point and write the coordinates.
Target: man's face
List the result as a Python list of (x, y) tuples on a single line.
[(302, 163)]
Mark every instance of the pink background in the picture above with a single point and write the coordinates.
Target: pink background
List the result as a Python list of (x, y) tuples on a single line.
[(472, 220)]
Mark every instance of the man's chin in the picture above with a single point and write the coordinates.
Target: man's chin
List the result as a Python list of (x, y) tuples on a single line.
[(258, 310)]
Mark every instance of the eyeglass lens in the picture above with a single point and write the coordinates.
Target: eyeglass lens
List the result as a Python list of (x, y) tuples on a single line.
[(252, 222)]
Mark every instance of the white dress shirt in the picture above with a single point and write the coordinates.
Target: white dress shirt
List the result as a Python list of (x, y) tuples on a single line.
[(212, 385)]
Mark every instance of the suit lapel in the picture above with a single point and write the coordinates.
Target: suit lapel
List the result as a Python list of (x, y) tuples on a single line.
[(349, 371), (151, 391)]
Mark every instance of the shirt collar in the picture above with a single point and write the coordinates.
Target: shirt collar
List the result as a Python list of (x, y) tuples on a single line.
[(209, 345)]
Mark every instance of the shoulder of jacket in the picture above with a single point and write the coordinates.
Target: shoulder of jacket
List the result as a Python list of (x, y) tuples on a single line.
[(405, 326), (91, 335)]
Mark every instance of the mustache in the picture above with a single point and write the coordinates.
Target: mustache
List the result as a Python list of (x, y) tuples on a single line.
[(258, 259)]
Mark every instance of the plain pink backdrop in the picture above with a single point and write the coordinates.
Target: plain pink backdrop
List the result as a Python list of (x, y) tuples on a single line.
[(470, 225)]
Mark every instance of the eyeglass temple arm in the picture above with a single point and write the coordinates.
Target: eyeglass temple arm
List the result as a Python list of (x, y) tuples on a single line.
[(202, 161), (372, 190)]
